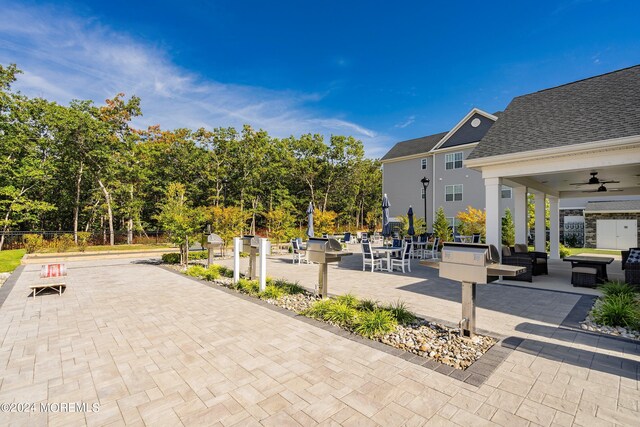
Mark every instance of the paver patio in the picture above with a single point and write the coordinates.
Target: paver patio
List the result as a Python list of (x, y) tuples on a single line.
[(155, 348)]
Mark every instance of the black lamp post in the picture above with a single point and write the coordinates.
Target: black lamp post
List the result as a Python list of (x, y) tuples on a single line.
[(425, 183)]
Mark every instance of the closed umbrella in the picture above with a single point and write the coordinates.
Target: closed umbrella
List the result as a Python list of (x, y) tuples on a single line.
[(310, 220), (386, 226), (411, 231)]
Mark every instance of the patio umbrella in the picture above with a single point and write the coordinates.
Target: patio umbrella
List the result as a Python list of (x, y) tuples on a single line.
[(386, 226), (310, 220), (411, 231)]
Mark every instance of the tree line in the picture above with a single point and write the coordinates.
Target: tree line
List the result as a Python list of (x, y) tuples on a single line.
[(84, 167)]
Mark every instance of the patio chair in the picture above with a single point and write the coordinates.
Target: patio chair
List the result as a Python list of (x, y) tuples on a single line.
[(631, 266), (298, 254), (475, 238), (404, 259), (363, 236), (539, 258), (520, 260), (457, 239), (369, 258), (397, 243), (433, 252), (347, 238)]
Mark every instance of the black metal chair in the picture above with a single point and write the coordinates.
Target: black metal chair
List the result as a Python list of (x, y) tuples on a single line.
[(631, 266)]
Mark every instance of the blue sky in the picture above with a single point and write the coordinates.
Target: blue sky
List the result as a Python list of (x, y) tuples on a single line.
[(378, 70)]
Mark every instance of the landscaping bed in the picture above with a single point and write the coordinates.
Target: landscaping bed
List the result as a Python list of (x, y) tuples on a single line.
[(617, 312), (391, 324)]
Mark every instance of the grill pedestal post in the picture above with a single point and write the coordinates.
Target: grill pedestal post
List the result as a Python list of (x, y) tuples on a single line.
[(468, 323), (321, 289), (252, 263)]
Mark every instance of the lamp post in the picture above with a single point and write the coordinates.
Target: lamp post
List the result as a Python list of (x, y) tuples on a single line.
[(425, 183)]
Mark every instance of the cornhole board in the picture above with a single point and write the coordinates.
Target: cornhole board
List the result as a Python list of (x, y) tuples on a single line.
[(43, 286), (53, 270)]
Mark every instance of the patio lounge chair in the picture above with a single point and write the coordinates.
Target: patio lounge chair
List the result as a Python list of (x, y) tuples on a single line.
[(631, 266), (520, 260), (405, 257), (369, 258), (539, 258), (298, 254)]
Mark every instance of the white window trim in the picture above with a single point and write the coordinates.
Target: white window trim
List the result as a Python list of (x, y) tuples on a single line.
[(453, 193), (505, 188), (454, 161)]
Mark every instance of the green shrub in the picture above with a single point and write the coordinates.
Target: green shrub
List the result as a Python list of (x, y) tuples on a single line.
[(198, 255), (212, 273), (172, 258), (63, 242), (83, 240), (225, 272), (33, 243), (400, 312), (288, 287), (564, 251), (349, 300), (341, 313), (617, 310), (318, 309), (272, 292), (196, 271), (250, 287), (375, 323), (614, 288), (368, 305)]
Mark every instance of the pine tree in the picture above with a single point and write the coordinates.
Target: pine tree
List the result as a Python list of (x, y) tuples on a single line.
[(508, 229), (441, 226)]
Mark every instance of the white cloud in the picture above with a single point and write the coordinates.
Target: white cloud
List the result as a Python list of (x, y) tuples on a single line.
[(410, 120), (65, 56)]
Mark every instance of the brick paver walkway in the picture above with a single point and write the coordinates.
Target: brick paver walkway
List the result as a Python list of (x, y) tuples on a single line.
[(155, 348)]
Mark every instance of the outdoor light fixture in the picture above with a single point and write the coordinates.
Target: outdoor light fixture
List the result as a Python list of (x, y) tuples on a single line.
[(425, 183)]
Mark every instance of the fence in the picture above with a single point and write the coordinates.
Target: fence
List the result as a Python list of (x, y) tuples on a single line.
[(15, 239)]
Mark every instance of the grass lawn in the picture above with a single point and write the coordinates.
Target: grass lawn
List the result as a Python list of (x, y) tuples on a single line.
[(575, 251), (9, 260), (103, 248)]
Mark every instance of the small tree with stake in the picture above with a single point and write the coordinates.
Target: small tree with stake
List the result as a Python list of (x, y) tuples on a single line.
[(179, 219), (441, 226)]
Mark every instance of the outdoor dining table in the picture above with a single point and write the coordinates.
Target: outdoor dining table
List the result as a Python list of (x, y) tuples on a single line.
[(599, 263), (389, 250)]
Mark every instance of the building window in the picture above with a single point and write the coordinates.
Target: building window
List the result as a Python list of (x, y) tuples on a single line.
[(506, 192), (453, 193), (453, 160), (422, 193), (423, 164), (453, 222)]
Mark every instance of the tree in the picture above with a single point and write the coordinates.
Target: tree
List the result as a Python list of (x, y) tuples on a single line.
[(324, 222), (472, 221), (180, 220), (441, 226), (280, 224), (418, 224), (26, 153), (227, 221), (508, 229), (531, 212)]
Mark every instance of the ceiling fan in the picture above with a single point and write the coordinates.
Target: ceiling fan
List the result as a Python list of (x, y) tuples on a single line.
[(603, 189), (595, 181)]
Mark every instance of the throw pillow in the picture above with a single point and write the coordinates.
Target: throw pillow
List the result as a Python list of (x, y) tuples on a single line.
[(634, 256)]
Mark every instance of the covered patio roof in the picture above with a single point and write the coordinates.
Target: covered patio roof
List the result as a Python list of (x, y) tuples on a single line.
[(550, 142)]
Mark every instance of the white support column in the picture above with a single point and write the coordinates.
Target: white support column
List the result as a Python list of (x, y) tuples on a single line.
[(237, 242), (541, 227), (263, 263), (554, 228), (493, 187), (520, 213)]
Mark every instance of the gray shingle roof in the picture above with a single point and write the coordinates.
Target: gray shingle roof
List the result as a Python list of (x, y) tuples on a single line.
[(467, 134), (594, 109), (614, 205), (414, 146)]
